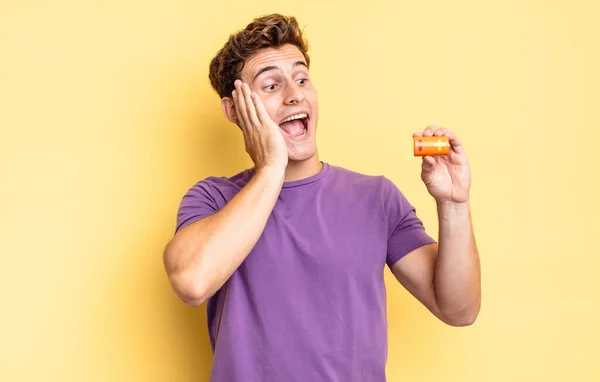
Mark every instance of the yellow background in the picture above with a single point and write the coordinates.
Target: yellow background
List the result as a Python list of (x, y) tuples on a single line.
[(107, 118)]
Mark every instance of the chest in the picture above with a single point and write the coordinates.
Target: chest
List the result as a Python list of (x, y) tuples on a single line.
[(321, 238)]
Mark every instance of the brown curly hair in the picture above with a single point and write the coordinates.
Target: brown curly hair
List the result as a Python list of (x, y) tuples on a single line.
[(270, 31)]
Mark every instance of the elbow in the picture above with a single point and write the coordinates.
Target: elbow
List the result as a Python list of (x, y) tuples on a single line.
[(465, 320), (464, 317), (190, 290)]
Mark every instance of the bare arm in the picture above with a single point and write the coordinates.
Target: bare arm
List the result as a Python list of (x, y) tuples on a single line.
[(457, 281), (202, 256), (446, 278)]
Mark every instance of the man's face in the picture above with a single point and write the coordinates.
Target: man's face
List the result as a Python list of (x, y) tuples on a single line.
[(281, 80)]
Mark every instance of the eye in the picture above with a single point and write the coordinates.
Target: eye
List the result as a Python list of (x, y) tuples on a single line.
[(270, 88), (302, 81)]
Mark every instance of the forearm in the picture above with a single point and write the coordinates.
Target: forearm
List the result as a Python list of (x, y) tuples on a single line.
[(457, 274), (203, 255)]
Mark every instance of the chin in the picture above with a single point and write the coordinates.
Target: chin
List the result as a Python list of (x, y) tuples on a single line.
[(296, 154)]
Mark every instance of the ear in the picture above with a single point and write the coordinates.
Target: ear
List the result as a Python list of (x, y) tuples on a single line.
[(228, 109)]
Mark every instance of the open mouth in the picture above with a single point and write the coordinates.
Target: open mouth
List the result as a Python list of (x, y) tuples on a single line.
[(296, 125)]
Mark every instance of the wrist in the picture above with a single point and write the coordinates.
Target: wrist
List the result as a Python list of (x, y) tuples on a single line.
[(271, 172), (451, 208)]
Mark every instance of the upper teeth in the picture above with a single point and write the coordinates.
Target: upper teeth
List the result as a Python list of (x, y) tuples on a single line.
[(297, 116)]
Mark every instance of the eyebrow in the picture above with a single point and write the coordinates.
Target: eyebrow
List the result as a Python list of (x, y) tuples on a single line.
[(273, 67)]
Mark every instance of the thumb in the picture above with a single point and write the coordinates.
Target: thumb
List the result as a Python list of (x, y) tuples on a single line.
[(427, 169), (428, 164)]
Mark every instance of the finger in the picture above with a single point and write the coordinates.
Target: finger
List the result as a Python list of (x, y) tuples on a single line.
[(439, 132), (455, 143), (417, 134), (427, 169), (428, 163), (236, 108), (428, 132), (241, 104), (261, 112), (250, 106)]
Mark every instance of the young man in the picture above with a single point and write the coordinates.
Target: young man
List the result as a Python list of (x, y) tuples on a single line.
[(290, 254)]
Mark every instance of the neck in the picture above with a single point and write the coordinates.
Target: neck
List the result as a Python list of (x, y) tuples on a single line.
[(302, 169)]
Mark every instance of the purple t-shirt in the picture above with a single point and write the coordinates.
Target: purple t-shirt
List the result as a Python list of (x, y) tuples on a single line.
[(309, 301)]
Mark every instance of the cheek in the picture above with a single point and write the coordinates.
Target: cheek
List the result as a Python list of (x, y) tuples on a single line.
[(314, 103), (312, 98), (272, 105)]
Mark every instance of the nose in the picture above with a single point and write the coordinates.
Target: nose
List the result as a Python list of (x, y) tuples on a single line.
[(294, 94)]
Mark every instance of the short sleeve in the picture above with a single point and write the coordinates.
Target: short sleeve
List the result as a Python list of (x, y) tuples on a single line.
[(406, 231), (196, 204)]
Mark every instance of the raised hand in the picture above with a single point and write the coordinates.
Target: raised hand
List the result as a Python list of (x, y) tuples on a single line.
[(447, 178), (262, 137)]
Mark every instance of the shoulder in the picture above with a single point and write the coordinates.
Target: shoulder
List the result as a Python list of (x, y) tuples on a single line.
[(354, 177), (219, 189), (223, 183), (374, 183), (374, 189), (208, 196)]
